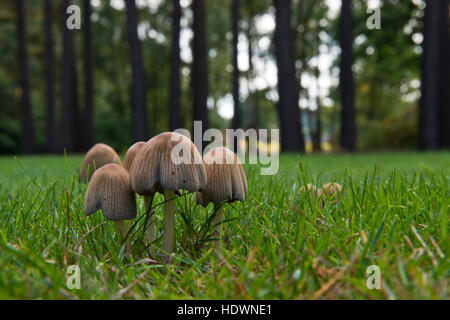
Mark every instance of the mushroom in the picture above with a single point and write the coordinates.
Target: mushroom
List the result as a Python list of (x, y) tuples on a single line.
[(226, 182), (129, 158), (131, 154), (99, 155), (166, 163), (313, 190), (332, 190), (110, 191)]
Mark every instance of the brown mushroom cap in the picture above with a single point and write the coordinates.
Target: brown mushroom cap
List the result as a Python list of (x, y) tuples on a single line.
[(110, 191), (154, 169), (315, 192), (131, 154), (226, 178), (99, 155), (332, 189)]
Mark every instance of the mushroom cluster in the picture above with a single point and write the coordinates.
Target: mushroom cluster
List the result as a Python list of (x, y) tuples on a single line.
[(166, 164), (329, 190)]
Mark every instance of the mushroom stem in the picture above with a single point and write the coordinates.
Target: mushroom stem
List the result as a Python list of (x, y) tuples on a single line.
[(217, 223), (122, 233), (150, 223), (169, 221)]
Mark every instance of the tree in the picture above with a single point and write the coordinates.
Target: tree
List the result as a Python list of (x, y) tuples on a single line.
[(71, 130), (444, 94), (139, 100), (348, 131), (49, 77), (429, 100), (174, 90), (200, 64), (235, 82), (66, 85), (26, 116), (288, 88), (88, 119)]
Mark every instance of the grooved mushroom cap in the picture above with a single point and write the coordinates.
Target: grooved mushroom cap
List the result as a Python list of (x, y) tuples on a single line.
[(226, 178), (168, 161), (315, 192), (110, 191), (131, 154), (99, 155), (332, 189)]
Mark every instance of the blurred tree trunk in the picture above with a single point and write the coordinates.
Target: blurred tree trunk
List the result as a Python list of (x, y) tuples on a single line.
[(444, 95), (288, 88), (174, 91), (200, 64), (348, 130), (429, 100), (77, 125), (66, 84), (235, 85), (138, 100), (49, 77), (251, 105), (88, 119), (26, 112)]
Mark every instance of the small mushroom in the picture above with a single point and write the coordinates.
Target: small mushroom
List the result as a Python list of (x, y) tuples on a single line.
[(226, 182), (166, 163), (332, 190), (99, 155), (129, 158), (131, 154), (312, 189), (110, 191)]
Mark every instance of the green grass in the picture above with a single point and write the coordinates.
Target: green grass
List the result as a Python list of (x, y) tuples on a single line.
[(279, 244)]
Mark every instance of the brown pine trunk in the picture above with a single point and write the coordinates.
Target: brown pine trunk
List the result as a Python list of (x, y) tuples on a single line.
[(200, 64), (348, 130), (174, 91), (26, 112), (49, 77), (138, 96), (235, 79), (88, 118), (288, 88), (429, 101)]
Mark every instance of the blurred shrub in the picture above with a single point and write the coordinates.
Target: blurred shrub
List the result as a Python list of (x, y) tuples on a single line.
[(398, 131)]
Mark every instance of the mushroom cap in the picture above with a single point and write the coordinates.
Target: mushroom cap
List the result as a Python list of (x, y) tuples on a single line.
[(131, 154), (226, 178), (331, 189), (110, 191), (316, 192), (168, 161), (99, 155)]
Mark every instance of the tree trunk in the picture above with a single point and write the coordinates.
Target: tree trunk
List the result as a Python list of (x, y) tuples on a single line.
[(444, 94), (66, 85), (348, 131), (200, 64), (174, 91), (77, 127), (139, 101), (88, 119), (429, 101), (288, 88), (235, 85), (49, 77), (26, 113)]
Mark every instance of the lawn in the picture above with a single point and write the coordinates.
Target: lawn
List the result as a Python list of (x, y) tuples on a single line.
[(279, 244)]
